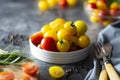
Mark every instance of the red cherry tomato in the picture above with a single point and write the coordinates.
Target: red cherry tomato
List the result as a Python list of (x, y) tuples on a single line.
[(6, 75), (63, 3), (101, 19), (28, 77), (105, 1), (48, 43), (102, 15), (92, 5), (74, 48), (114, 12), (30, 68), (36, 38)]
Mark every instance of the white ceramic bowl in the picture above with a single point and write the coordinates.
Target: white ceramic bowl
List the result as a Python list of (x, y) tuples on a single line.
[(58, 57)]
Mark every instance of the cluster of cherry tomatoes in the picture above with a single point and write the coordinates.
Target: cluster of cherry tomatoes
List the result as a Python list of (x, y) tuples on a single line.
[(44, 5), (30, 70), (102, 12), (61, 36)]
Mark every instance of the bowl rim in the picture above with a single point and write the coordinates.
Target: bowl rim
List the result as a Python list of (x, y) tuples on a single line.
[(59, 57)]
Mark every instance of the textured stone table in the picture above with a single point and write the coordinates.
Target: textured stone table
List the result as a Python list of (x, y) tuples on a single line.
[(23, 17)]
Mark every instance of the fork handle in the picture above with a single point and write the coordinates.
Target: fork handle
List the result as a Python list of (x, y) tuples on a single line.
[(111, 72), (103, 75)]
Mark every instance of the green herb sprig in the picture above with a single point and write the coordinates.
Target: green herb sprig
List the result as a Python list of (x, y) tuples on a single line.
[(14, 58)]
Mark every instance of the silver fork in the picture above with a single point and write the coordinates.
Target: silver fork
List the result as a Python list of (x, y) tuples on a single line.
[(101, 53), (103, 74)]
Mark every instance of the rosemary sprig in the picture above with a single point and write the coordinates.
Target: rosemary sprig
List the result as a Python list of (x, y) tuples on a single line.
[(14, 58)]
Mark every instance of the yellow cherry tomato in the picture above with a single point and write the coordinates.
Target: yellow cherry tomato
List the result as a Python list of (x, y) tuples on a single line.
[(43, 5), (52, 3), (101, 5), (45, 28), (81, 27), (63, 34), (72, 2), (56, 71), (92, 1), (59, 20), (114, 5), (63, 45), (74, 41), (52, 34), (56, 26), (94, 18), (107, 22), (83, 41), (96, 12), (70, 27)]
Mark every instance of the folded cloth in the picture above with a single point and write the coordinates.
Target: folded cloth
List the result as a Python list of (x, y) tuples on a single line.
[(110, 34)]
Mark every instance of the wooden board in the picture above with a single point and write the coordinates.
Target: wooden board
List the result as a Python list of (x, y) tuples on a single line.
[(16, 70)]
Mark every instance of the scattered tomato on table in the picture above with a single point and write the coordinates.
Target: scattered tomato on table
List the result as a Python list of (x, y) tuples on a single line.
[(28, 77), (30, 68), (15, 66), (5, 75), (56, 71)]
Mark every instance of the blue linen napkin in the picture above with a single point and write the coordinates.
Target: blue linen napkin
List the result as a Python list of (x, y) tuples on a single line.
[(111, 34)]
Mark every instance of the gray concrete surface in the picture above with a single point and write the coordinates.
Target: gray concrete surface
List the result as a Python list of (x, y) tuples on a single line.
[(23, 17)]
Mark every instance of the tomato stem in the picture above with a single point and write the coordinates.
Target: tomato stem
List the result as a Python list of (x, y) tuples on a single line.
[(61, 42), (72, 24)]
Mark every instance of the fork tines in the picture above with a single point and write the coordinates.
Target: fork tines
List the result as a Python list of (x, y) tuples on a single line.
[(97, 47), (102, 50)]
